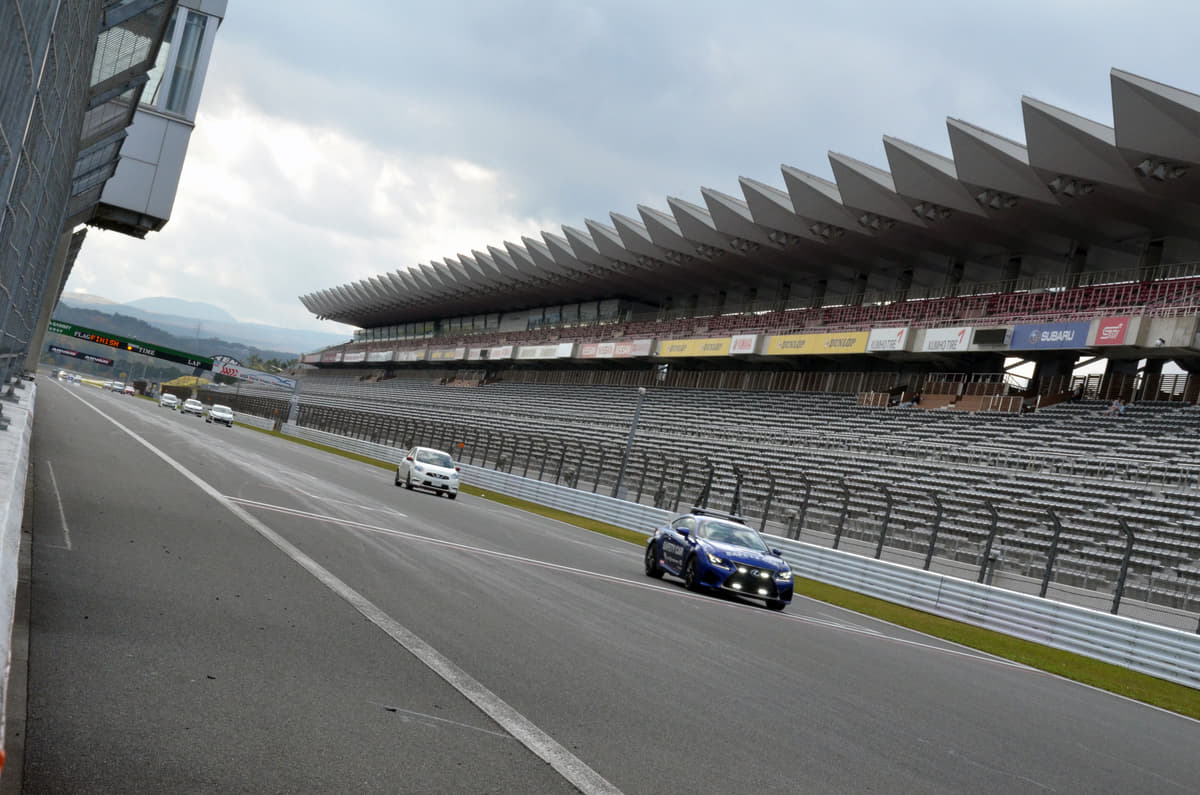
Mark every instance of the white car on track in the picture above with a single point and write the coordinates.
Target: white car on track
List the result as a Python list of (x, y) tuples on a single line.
[(168, 401), (192, 406), (222, 415), (426, 468)]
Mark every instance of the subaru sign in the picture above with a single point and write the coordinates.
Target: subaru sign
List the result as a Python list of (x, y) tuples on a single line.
[(1029, 336)]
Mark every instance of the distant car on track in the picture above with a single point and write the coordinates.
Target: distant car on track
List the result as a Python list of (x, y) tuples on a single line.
[(711, 550), (222, 415), (168, 401), (426, 468), (192, 406), (129, 389)]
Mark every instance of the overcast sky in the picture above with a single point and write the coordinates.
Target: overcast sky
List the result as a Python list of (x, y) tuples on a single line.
[(336, 141)]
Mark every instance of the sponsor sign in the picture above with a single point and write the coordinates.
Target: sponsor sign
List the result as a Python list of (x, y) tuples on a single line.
[(415, 355), (1029, 336), (447, 354), (818, 344), (1112, 330), (887, 339), (500, 352), (311, 358), (230, 367), (712, 346), (87, 357), (330, 357), (743, 344), (553, 351), (624, 349), (380, 356), (354, 357), (946, 339)]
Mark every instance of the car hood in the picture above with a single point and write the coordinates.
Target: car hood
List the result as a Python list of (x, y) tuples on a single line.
[(764, 560), (448, 471)]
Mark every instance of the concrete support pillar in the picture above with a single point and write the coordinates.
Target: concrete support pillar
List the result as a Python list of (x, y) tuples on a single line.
[(1052, 371), (1151, 379), (1120, 376)]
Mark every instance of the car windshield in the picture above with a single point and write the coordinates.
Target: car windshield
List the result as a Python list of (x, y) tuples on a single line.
[(222, 409), (729, 533), (437, 459)]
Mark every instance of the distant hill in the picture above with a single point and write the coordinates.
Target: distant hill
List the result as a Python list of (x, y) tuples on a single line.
[(191, 321), (178, 306)]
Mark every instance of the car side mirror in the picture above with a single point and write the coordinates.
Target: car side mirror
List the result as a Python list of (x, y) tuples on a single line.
[(776, 552), (408, 458), (683, 531)]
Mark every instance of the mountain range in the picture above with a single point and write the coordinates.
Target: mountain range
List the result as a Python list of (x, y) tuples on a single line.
[(198, 320)]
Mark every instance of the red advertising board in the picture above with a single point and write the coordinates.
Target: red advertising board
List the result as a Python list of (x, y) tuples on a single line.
[(1111, 331)]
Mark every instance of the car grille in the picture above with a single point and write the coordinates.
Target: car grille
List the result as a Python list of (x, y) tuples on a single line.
[(754, 582)]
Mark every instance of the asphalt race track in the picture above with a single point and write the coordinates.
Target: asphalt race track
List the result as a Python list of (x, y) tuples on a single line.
[(217, 610)]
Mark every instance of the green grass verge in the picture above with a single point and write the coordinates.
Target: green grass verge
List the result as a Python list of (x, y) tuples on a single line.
[(1113, 678)]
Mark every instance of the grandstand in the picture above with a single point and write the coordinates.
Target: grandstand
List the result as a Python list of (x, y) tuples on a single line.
[(783, 332)]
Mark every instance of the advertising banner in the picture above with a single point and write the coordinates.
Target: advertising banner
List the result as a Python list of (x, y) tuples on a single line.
[(552, 351), (743, 344), (416, 355), (1031, 336), (355, 357), (627, 349), (946, 339), (229, 367), (380, 356), (329, 357), (823, 344), (447, 354), (1112, 330), (887, 339), (712, 346), (500, 352), (87, 357)]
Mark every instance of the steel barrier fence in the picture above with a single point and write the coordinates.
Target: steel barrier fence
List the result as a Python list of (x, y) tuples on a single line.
[(46, 49), (1163, 652)]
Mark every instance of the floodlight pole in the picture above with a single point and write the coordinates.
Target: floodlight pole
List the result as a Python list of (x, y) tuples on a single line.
[(637, 412)]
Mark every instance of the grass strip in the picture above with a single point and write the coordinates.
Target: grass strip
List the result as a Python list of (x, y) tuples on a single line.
[(1105, 676)]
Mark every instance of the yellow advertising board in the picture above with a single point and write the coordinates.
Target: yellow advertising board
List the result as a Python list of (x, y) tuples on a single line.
[(713, 346), (823, 344)]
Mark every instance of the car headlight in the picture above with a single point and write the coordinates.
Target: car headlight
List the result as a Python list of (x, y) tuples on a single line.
[(418, 469), (716, 561), (784, 574)]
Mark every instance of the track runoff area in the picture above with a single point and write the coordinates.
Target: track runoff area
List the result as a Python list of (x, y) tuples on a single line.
[(202, 596)]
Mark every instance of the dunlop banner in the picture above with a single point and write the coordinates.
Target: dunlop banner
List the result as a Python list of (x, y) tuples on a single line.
[(824, 344), (713, 346)]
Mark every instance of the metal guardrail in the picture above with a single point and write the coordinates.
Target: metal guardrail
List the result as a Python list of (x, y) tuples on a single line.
[(1163, 652), (14, 470)]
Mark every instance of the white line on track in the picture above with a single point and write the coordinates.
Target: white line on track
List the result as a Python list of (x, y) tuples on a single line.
[(543, 745), (829, 622), (62, 514)]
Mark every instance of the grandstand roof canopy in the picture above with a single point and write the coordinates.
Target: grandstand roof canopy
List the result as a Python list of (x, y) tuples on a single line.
[(1075, 185)]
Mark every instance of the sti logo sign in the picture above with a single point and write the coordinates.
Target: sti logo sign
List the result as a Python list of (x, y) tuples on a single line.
[(1112, 330), (1027, 336)]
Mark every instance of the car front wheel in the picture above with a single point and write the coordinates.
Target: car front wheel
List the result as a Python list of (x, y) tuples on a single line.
[(652, 567), (691, 578)]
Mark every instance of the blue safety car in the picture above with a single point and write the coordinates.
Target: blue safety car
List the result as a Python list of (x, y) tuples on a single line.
[(710, 550)]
